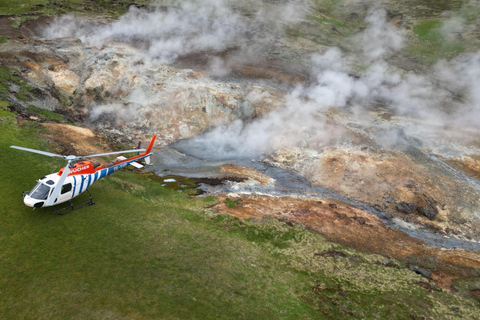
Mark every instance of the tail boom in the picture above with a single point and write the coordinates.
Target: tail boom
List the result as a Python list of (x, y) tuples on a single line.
[(104, 171)]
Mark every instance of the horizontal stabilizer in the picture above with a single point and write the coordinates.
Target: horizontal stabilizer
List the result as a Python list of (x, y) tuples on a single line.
[(135, 164)]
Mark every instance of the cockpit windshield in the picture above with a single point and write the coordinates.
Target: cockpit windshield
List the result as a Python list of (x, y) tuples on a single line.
[(40, 191)]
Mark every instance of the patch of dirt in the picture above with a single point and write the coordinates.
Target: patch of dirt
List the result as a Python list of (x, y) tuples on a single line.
[(282, 71), (341, 223), (469, 164), (76, 140), (425, 286), (7, 30), (444, 279), (248, 173), (34, 27), (26, 29)]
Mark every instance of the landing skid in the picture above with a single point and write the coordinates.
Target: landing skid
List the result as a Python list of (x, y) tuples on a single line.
[(74, 206)]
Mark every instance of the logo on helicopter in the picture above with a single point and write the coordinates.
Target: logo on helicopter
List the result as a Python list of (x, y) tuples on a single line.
[(79, 169)]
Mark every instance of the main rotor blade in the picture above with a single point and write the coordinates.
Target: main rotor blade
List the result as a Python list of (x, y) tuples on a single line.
[(106, 154), (38, 151), (58, 186)]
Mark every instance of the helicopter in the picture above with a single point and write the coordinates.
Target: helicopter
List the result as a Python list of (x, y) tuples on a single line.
[(76, 177)]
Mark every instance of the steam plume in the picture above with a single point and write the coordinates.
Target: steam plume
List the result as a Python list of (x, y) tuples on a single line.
[(181, 28), (420, 98), (166, 33)]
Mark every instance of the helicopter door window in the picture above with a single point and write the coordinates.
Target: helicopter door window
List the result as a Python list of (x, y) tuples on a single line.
[(66, 188), (40, 192)]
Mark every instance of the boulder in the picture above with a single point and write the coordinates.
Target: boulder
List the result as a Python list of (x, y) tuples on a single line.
[(406, 207), (428, 211), (423, 272)]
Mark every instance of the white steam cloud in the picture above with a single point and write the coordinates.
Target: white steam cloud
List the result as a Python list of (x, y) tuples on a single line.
[(423, 100), (166, 33), (182, 28), (380, 38)]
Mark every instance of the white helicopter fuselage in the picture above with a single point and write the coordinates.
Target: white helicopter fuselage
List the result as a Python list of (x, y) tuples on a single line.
[(76, 178)]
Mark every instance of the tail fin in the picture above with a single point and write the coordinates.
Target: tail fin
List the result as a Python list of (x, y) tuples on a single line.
[(149, 149), (150, 146)]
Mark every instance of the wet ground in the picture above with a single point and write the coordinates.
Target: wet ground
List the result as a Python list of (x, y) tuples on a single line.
[(244, 192), (186, 159)]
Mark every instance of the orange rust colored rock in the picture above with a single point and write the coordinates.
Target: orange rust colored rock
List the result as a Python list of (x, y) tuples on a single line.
[(339, 222), (247, 172), (76, 140), (469, 164)]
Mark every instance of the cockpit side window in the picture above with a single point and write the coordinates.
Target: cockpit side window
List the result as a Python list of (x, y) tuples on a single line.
[(40, 191), (34, 188), (66, 188)]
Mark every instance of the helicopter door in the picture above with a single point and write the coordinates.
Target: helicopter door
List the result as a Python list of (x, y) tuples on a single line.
[(66, 192), (66, 188)]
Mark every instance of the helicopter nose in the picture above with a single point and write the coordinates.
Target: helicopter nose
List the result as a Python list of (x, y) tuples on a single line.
[(32, 202), (27, 202)]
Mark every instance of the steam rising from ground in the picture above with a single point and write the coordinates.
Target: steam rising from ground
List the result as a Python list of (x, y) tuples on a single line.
[(171, 29), (166, 33), (426, 102), (380, 38)]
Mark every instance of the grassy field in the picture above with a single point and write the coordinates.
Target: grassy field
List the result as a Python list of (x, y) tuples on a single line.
[(145, 252), (141, 252)]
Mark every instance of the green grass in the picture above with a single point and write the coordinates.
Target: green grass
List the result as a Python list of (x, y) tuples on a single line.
[(231, 203), (46, 114), (326, 5), (4, 105), (11, 76), (4, 39), (470, 11), (324, 24), (20, 20), (7, 75), (431, 45), (146, 252), (45, 7), (428, 30)]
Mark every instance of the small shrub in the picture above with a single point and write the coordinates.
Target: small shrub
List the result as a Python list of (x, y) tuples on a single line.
[(231, 203)]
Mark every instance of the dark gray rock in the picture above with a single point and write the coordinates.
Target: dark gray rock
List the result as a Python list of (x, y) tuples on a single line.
[(405, 207), (423, 272), (428, 211)]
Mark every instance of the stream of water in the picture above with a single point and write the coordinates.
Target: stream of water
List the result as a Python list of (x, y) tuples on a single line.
[(196, 161)]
